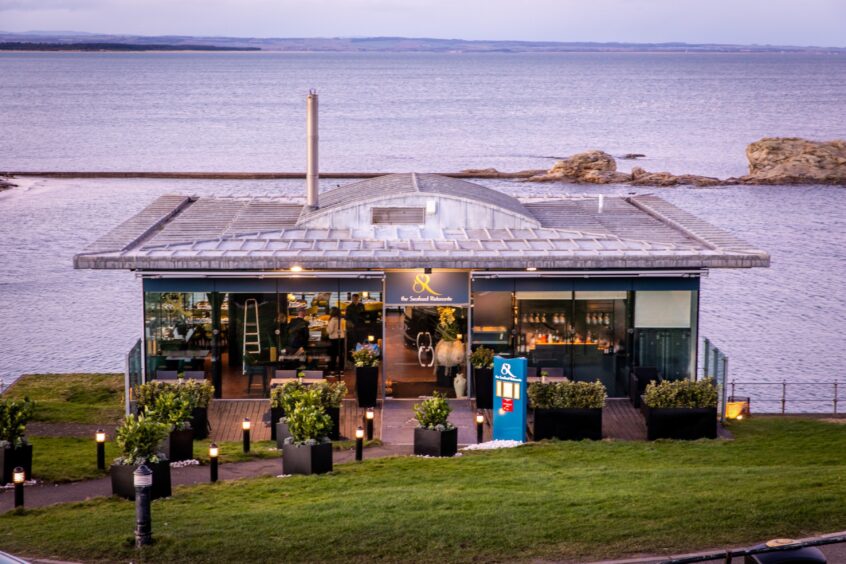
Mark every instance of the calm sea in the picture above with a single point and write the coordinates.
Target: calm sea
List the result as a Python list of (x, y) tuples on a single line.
[(423, 112)]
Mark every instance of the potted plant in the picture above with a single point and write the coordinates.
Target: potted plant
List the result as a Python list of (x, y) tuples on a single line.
[(434, 435), (366, 360), (482, 360), (138, 439), (567, 410), (198, 393), (174, 410), (282, 400), (14, 449), (331, 396), (308, 450), (681, 409)]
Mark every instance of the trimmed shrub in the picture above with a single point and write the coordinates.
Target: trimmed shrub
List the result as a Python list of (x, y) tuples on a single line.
[(681, 393), (433, 413), (138, 439), (14, 415), (564, 395)]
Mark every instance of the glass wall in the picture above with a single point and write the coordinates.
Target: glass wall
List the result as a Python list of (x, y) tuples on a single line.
[(664, 330), (178, 333)]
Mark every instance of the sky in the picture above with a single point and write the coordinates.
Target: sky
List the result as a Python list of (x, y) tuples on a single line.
[(779, 22)]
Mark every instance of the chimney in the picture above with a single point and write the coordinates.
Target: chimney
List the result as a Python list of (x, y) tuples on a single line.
[(311, 136)]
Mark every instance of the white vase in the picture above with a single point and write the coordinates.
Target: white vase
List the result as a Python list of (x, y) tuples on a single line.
[(460, 384)]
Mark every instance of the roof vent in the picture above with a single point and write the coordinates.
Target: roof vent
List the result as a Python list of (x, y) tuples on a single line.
[(397, 216)]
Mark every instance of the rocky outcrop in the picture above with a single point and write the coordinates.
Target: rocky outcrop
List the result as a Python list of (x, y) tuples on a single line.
[(5, 184), (642, 177), (591, 166), (789, 160)]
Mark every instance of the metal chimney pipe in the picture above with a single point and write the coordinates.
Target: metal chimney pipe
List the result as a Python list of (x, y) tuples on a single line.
[(311, 135)]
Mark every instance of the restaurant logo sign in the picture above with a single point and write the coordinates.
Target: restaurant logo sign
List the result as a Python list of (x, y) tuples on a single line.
[(436, 288), (510, 402)]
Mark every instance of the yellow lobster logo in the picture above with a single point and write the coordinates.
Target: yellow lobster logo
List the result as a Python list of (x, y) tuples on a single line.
[(421, 284)]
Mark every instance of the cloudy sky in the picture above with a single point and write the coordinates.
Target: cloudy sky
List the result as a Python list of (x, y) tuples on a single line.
[(785, 22)]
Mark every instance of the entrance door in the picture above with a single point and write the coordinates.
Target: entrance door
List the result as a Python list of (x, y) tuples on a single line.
[(411, 366)]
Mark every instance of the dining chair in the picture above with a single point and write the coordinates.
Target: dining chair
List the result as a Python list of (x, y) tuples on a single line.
[(285, 374), (167, 374), (194, 375), (312, 375)]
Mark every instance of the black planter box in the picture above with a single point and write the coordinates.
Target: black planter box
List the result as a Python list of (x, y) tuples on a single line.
[(335, 414), (307, 459), (11, 458), (680, 423), (282, 433), (435, 443), (367, 385), (568, 424), (179, 445), (483, 387), (123, 482), (200, 422), (276, 413)]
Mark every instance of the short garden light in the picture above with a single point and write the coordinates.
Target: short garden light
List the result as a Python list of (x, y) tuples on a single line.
[(370, 338), (100, 437), (368, 421), (18, 477), (245, 425), (359, 444), (480, 426), (143, 480), (214, 452)]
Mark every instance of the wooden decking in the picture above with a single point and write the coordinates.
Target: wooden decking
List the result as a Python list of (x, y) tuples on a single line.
[(225, 417), (620, 420)]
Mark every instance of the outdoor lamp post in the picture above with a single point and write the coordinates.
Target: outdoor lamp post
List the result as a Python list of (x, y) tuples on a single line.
[(480, 426), (368, 421), (245, 425), (100, 437), (18, 477), (143, 480), (359, 444), (213, 454)]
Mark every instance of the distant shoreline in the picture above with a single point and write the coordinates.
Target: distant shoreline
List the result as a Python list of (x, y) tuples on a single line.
[(17, 46)]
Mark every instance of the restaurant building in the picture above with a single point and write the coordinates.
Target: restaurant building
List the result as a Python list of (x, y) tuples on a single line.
[(586, 287)]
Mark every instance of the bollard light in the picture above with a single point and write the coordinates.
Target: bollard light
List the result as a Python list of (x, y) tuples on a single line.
[(368, 422), (214, 452), (100, 437), (370, 338), (143, 481), (19, 477), (480, 426), (245, 425), (359, 444)]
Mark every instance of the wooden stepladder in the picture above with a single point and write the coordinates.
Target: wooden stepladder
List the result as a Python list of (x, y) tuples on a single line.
[(252, 333)]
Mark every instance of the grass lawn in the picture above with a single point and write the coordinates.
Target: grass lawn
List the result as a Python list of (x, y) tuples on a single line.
[(586, 500), (72, 398)]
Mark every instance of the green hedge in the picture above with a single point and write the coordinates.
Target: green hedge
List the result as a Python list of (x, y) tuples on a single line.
[(681, 393), (564, 395)]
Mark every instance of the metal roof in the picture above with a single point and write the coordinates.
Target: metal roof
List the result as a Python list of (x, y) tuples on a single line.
[(568, 232)]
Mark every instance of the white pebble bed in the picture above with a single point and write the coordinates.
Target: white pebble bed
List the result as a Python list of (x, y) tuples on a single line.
[(184, 463), (493, 445)]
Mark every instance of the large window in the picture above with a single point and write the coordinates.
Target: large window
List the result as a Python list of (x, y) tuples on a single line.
[(665, 325), (178, 327)]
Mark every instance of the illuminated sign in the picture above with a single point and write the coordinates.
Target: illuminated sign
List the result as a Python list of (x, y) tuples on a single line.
[(419, 288), (510, 404)]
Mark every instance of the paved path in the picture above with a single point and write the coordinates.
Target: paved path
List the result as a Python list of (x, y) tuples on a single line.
[(49, 494)]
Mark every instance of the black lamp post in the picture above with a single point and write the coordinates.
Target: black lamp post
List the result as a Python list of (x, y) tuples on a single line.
[(480, 426), (18, 477), (245, 425), (143, 480), (359, 444), (213, 454), (100, 437), (368, 421)]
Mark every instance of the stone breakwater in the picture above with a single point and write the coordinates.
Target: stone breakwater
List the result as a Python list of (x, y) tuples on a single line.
[(771, 161)]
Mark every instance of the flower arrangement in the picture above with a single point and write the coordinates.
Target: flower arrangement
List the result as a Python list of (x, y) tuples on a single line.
[(482, 357), (433, 413), (681, 393), (566, 395), (447, 325), (366, 356), (14, 415), (138, 439)]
